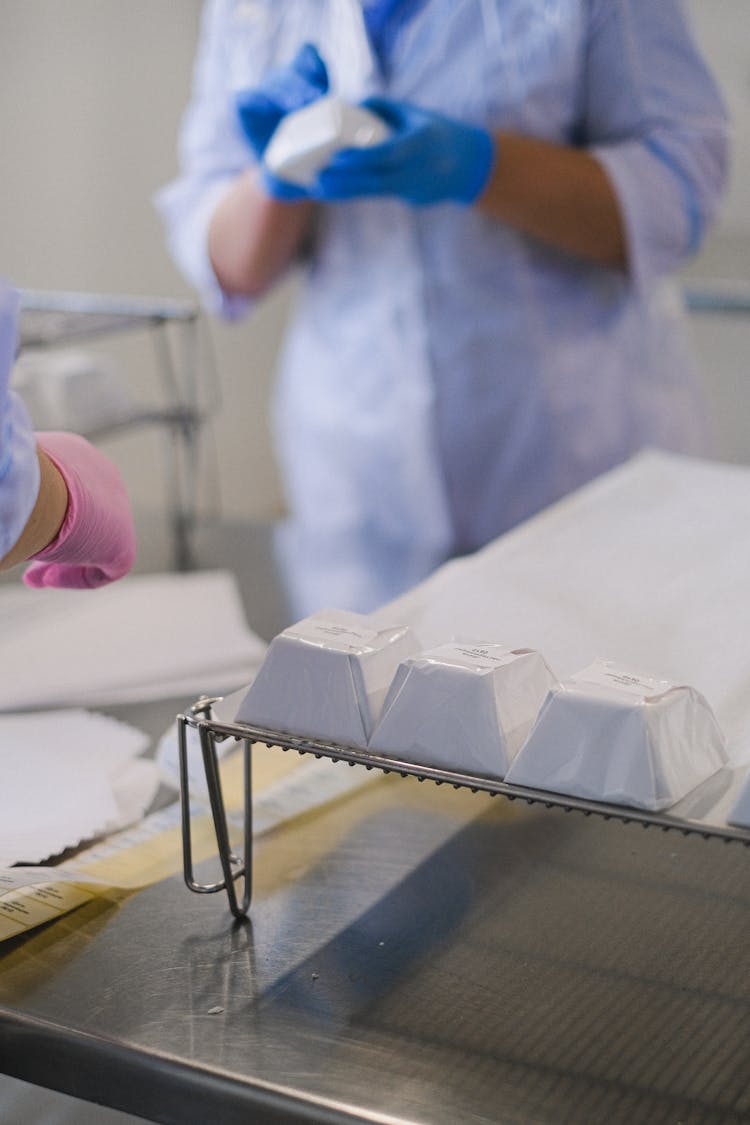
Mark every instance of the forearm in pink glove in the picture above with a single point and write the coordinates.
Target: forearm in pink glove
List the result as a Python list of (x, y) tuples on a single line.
[(96, 543)]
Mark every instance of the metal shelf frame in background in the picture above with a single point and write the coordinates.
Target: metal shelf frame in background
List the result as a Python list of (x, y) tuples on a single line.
[(201, 717), (188, 379), (715, 297)]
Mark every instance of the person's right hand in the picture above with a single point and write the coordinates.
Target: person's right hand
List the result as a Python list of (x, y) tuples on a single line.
[(283, 91), (96, 543)]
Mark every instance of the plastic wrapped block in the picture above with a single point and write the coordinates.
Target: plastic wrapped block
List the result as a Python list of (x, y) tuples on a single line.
[(463, 707), (304, 141), (326, 677), (740, 812), (615, 735)]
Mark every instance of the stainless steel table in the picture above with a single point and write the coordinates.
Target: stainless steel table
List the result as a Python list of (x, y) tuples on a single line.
[(413, 954)]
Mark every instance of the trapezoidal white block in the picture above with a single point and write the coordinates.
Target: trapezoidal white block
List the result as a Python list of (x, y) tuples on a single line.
[(463, 707), (326, 678), (611, 734)]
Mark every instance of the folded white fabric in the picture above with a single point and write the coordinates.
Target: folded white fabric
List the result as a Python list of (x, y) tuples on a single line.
[(463, 707), (326, 677), (612, 734)]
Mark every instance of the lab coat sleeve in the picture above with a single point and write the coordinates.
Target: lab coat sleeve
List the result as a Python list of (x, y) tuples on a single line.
[(19, 469), (655, 120), (212, 153)]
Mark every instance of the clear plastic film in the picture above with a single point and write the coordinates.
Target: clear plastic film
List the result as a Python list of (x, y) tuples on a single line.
[(613, 734), (463, 707), (326, 677)]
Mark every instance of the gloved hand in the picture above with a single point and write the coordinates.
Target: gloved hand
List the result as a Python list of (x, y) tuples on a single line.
[(261, 109), (96, 543), (428, 159)]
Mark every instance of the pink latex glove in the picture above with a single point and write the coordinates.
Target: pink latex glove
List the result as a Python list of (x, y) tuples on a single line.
[(96, 543)]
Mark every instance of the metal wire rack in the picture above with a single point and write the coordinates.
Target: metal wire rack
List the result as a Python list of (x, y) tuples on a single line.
[(211, 731), (189, 385)]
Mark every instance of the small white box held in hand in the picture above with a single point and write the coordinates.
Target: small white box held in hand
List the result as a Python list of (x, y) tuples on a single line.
[(740, 811), (326, 677), (614, 735), (463, 707), (304, 141)]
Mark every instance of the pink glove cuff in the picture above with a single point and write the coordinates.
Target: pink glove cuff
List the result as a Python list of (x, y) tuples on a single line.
[(96, 542)]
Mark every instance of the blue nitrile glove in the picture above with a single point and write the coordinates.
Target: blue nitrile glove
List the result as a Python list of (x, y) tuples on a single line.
[(428, 159), (261, 109)]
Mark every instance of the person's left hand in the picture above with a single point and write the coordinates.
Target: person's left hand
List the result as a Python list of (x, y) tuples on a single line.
[(261, 109), (428, 159)]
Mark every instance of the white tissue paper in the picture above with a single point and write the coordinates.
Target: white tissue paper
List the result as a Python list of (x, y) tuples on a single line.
[(611, 734), (67, 777), (326, 677), (463, 707), (305, 140)]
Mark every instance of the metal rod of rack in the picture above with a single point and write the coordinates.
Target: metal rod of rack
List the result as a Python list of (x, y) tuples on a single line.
[(717, 297), (201, 717), (50, 319)]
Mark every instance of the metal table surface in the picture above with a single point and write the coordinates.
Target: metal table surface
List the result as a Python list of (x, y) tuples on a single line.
[(413, 954)]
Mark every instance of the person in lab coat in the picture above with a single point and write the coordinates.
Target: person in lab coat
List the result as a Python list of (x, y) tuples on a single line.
[(63, 504), (484, 323)]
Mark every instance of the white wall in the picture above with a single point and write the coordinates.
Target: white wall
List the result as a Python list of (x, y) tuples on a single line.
[(91, 92), (723, 342), (722, 27)]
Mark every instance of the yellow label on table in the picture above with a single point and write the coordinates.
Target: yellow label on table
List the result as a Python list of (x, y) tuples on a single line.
[(284, 786)]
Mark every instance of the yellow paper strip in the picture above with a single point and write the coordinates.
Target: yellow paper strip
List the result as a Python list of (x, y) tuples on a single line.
[(284, 786)]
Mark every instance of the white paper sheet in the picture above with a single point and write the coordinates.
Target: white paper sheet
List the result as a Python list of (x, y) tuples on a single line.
[(648, 566), (147, 637), (67, 777)]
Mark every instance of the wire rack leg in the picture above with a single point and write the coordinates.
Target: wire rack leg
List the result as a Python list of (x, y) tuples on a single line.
[(233, 868)]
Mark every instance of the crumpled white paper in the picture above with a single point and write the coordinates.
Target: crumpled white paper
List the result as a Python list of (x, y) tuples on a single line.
[(68, 777)]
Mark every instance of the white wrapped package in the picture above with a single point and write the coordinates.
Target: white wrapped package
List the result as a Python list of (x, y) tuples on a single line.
[(740, 813), (305, 140), (326, 677), (614, 735), (463, 707)]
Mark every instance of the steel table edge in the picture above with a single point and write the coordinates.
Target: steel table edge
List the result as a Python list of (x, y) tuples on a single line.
[(154, 1085)]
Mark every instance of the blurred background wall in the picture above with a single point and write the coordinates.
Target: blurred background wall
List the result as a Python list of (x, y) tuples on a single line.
[(91, 94)]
